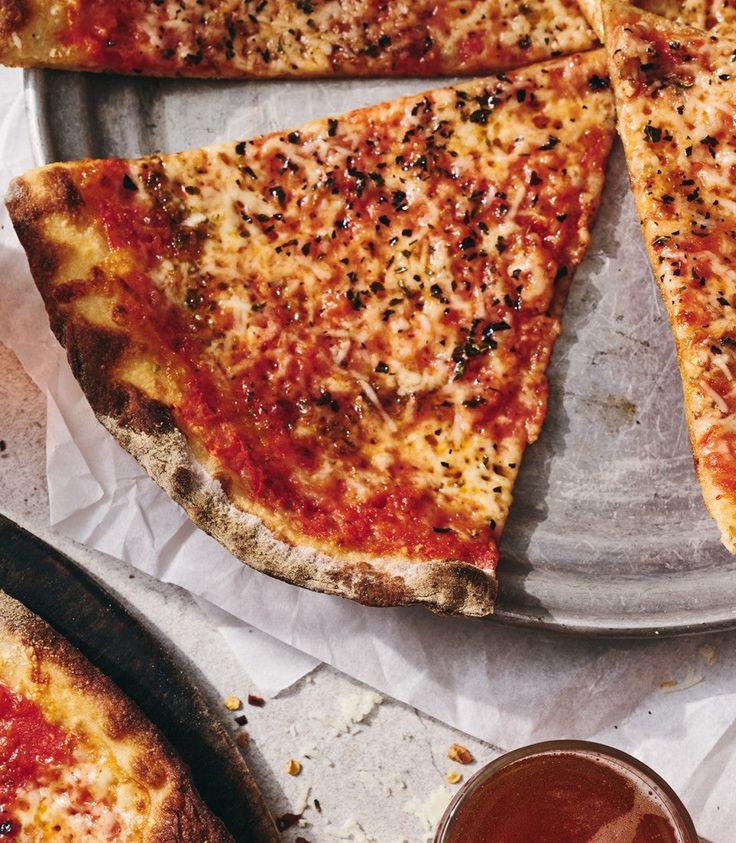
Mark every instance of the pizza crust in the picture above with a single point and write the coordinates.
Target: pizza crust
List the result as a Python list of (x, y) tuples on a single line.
[(39, 664), (446, 587)]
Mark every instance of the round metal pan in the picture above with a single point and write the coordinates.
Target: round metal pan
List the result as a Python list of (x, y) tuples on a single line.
[(608, 533)]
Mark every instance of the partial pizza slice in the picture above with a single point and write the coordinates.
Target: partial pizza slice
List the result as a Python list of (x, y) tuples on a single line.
[(283, 38), (698, 13), (78, 761), (676, 99), (329, 344)]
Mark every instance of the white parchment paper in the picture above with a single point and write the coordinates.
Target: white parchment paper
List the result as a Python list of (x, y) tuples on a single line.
[(671, 703)]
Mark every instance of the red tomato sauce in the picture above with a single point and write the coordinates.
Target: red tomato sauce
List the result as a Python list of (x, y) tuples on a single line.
[(719, 448), (32, 751), (667, 61), (560, 798), (109, 36), (106, 32)]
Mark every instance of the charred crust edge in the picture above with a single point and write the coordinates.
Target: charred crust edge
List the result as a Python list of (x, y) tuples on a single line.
[(29, 200), (94, 354), (446, 587)]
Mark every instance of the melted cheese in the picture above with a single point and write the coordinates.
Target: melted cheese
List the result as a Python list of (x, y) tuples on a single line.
[(694, 12), (91, 798), (370, 286), (89, 801)]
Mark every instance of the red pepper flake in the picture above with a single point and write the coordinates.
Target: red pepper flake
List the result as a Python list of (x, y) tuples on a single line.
[(552, 142), (287, 821), (254, 699)]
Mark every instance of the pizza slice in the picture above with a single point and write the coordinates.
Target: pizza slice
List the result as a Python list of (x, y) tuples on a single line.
[(78, 761), (278, 38), (695, 12), (676, 99), (329, 344)]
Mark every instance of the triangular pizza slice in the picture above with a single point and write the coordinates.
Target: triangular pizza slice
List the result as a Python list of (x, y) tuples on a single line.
[(284, 38), (676, 99), (329, 344)]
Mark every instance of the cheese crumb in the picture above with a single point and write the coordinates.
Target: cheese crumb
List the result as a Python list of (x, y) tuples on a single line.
[(457, 752), (232, 703), (429, 811), (354, 709), (453, 777), (293, 768)]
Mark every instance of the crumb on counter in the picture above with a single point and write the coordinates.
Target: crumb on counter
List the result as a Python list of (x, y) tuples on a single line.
[(709, 654), (294, 767), (453, 777), (243, 740), (457, 752), (430, 809), (232, 703), (254, 699)]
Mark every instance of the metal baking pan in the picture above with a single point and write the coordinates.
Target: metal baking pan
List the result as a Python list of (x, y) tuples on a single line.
[(608, 533)]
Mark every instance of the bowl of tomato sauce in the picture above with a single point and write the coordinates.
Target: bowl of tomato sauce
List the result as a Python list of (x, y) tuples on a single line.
[(566, 792)]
